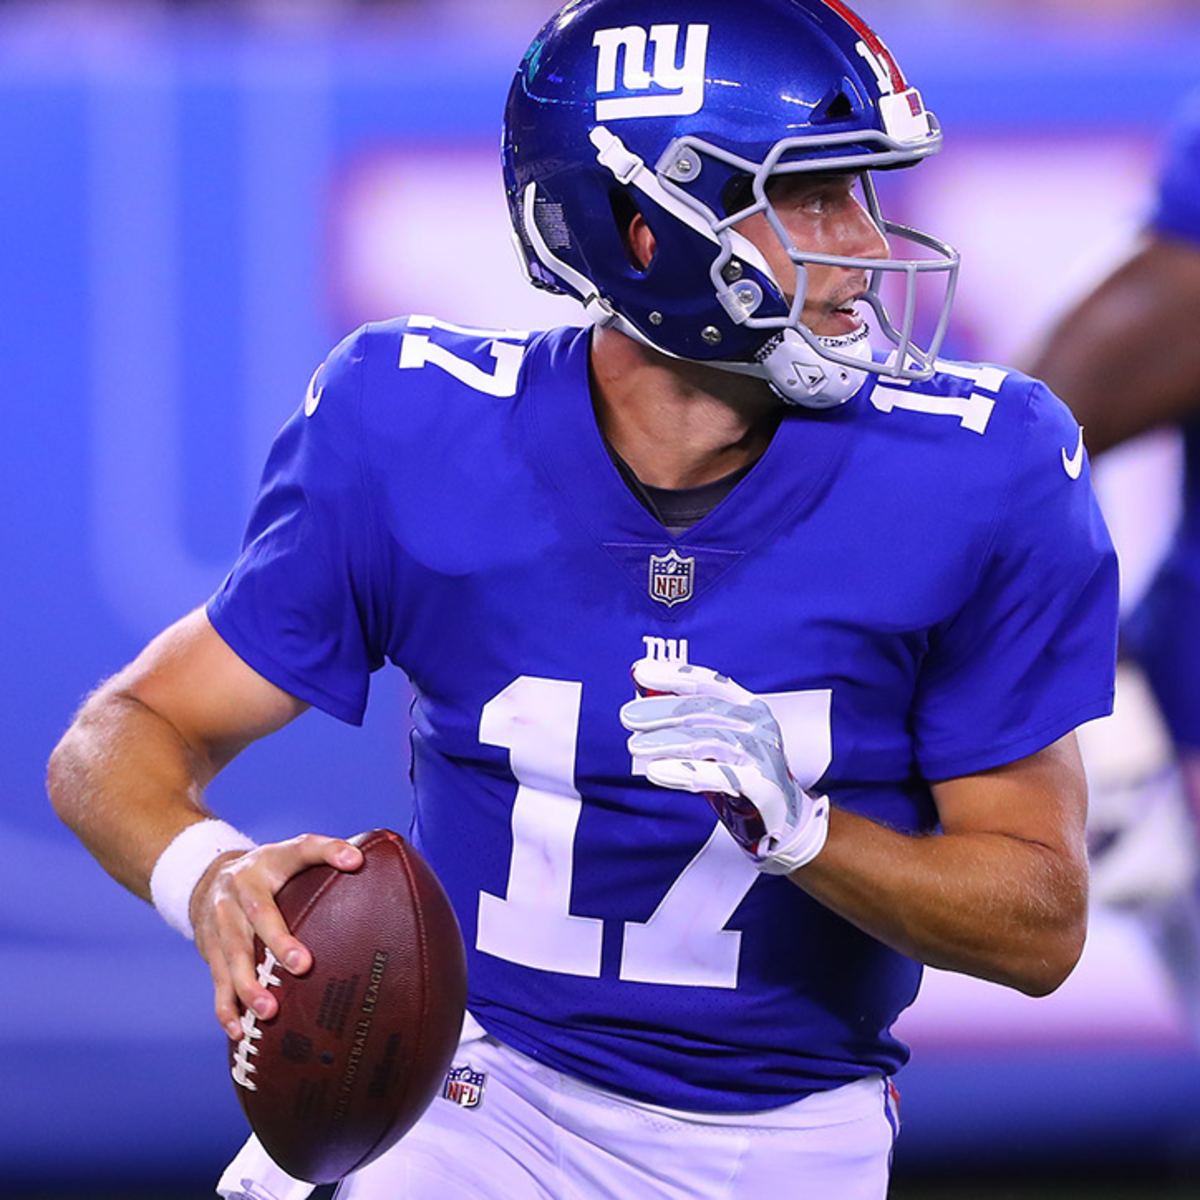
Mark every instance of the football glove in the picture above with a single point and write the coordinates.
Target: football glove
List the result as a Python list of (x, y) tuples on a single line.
[(698, 731)]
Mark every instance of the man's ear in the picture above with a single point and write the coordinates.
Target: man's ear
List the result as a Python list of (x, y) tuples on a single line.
[(632, 229), (640, 242)]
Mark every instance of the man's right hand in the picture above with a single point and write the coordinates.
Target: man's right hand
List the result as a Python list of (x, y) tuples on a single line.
[(128, 776), (235, 901)]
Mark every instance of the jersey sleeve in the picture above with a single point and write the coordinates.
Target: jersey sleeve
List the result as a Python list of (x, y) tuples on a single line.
[(299, 604), (1032, 653), (1177, 204)]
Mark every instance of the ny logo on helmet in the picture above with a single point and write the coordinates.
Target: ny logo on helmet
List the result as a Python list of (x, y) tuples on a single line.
[(684, 84)]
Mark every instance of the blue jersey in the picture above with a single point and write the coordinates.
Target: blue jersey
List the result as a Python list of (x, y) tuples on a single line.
[(1177, 203), (919, 582), (1163, 633)]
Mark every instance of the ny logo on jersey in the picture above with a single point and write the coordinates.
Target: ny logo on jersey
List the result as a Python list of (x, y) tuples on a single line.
[(672, 578), (664, 649), (682, 86)]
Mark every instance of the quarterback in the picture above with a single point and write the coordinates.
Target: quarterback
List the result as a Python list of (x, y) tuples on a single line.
[(746, 660)]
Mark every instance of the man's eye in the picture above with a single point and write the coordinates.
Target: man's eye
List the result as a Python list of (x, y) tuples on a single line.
[(812, 198)]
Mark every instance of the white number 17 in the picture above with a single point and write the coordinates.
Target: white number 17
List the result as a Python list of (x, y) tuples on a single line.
[(684, 941), (421, 349)]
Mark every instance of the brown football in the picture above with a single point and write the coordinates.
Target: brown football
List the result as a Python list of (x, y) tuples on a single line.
[(362, 1042)]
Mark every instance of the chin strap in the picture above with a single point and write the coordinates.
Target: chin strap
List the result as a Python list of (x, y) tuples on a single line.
[(799, 375)]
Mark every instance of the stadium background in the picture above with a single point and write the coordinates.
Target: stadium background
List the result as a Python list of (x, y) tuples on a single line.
[(197, 200)]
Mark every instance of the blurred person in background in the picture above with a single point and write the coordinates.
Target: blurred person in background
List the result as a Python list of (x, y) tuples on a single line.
[(1126, 357), (673, 995)]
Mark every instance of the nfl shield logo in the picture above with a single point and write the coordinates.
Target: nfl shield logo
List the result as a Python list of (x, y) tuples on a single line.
[(464, 1086), (671, 578)]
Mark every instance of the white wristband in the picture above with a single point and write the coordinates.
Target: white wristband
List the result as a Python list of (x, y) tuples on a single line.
[(183, 862)]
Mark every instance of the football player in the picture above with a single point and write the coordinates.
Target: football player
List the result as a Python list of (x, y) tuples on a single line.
[(1126, 359), (865, 601)]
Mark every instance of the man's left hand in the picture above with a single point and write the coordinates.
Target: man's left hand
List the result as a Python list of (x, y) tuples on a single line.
[(697, 731)]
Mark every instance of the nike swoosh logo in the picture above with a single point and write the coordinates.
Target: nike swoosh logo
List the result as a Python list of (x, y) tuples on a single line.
[(1074, 465), (313, 396)]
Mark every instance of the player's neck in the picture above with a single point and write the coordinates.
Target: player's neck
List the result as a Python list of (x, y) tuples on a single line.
[(677, 424)]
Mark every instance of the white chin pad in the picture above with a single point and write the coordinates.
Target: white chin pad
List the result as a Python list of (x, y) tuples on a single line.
[(802, 376)]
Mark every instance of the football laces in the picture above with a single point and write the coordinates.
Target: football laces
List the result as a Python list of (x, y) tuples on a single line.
[(243, 1068)]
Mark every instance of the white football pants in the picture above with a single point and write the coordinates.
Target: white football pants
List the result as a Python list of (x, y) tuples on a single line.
[(537, 1134)]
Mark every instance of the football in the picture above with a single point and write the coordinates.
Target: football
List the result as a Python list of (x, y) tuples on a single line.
[(360, 1044)]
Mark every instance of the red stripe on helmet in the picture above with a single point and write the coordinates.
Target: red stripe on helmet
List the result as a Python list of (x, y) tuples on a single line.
[(873, 40)]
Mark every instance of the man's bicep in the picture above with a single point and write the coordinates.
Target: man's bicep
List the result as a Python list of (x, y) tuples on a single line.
[(1040, 799), (189, 676)]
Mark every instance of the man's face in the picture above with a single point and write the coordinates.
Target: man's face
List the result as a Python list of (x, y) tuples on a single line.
[(823, 214)]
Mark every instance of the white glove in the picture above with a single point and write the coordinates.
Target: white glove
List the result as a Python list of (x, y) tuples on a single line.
[(700, 732)]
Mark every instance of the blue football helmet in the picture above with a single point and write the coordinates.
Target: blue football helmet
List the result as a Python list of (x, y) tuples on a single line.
[(685, 113)]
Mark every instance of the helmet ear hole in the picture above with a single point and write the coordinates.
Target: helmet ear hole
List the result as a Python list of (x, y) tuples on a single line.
[(840, 103), (738, 194), (839, 108), (625, 213)]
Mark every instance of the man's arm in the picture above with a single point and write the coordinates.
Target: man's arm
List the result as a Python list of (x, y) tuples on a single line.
[(1126, 357), (1001, 893), (129, 775)]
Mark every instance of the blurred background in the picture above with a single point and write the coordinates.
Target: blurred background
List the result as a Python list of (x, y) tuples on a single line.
[(196, 201)]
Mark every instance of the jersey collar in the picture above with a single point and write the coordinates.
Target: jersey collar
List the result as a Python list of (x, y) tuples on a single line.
[(780, 488)]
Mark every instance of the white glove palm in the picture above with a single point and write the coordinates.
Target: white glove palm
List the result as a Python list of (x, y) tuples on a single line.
[(698, 731)]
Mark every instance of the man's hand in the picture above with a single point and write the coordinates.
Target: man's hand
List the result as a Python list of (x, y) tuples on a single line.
[(698, 731), (235, 900)]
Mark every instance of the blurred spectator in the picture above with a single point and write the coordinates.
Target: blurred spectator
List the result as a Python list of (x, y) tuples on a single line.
[(1125, 358)]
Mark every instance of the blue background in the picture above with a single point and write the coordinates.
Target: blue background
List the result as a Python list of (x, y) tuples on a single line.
[(164, 293)]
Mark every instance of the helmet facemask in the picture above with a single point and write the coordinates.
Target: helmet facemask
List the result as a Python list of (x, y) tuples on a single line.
[(801, 366)]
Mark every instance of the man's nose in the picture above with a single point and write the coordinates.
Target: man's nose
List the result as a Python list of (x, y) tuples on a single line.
[(862, 238)]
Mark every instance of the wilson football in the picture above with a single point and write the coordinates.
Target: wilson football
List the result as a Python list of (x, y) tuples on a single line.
[(362, 1042)]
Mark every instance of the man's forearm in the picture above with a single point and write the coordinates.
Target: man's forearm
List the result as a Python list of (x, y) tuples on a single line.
[(125, 781), (985, 904)]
